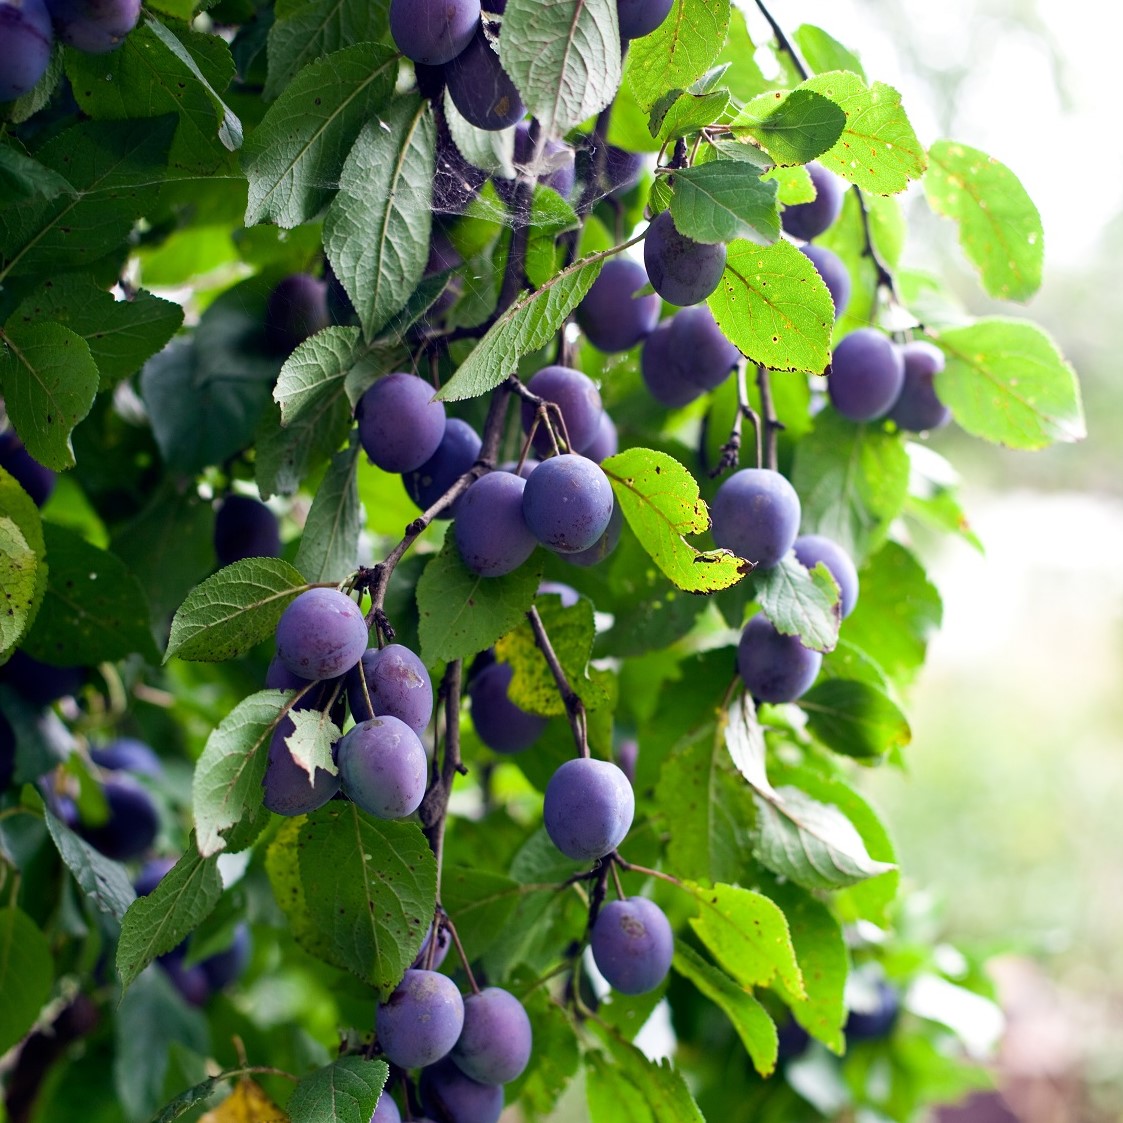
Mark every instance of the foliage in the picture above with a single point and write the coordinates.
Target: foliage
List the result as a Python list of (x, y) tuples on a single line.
[(152, 200)]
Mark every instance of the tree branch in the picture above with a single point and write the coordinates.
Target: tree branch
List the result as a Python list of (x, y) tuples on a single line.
[(574, 707)]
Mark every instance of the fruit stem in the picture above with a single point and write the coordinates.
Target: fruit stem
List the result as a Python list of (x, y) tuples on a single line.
[(574, 707), (771, 425), (627, 867), (463, 958), (434, 807)]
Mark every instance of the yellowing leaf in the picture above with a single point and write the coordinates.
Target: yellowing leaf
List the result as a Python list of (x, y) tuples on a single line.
[(248, 1103)]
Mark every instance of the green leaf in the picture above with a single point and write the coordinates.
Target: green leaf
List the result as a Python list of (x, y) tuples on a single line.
[(115, 167), (23, 178), (661, 1087), (999, 227), (774, 307), (822, 53), (611, 1096), (852, 482), (329, 544), (185, 1101), (311, 741), (754, 1027), (296, 154), (855, 718), (747, 934), (563, 56), (660, 500), (121, 334), (528, 324), (49, 380), (370, 888), (234, 609), (897, 613), (226, 792), (571, 631), (306, 30), (346, 1091), (376, 233), (105, 883), (1007, 382), (480, 903), (184, 897), (19, 584), (463, 613), (800, 603), (679, 51), (793, 128), (27, 973), (93, 611), (687, 113), (878, 149), (556, 1055), (724, 200)]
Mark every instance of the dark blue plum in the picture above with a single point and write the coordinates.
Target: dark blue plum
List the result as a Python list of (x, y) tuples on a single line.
[(866, 375), (611, 315), (682, 271), (481, 89), (127, 754), (226, 967), (774, 667), (400, 425), (808, 220), (576, 396), (398, 685), (499, 723), (433, 31), (698, 350), (94, 27), (132, 824), (588, 808), (917, 407), (321, 634), (666, 383), (386, 1110), (383, 767), (460, 446), (494, 1045), (340, 308), (491, 533), (793, 1040), (835, 275), (40, 684), (38, 481), (632, 945), (557, 167), (244, 527), (641, 17), (7, 753), (25, 46), (288, 790), (151, 874), (604, 545), (811, 549), (421, 1020), (448, 1094), (876, 1018), (568, 503), (191, 982), (297, 308), (755, 513), (606, 443)]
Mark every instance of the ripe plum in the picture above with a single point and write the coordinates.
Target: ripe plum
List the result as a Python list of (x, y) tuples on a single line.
[(568, 503), (321, 634), (682, 271), (588, 808), (400, 425), (756, 514), (632, 944)]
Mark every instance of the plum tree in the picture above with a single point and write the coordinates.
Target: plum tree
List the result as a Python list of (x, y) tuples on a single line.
[(867, 373), (481, 89), (568, 503), (589, 807), (421, 1020), (433, 31), (397, 685), (756, 514), (490, 530), (809, 220), (632, 944), (382, 767), (245, 527), (25, 46), (400, 425), (682, 271), (495, 1044), (612, 316), (775, 667), (499, 723), (557, 166), (321, 634)]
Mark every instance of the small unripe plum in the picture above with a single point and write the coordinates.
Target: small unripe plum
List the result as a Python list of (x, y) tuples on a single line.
[(809, 220), (287, 788), (132, 825), (499, 723), (682, 271), (321, 634), (611, 315), (481, 89), (698, 349), (398, 686), (588, 808), (576, 396), (490, 530), (641, 17), (421, 1020), (632, 945), (835, 276), (568, 503), (383, 768), (811, 549), (297, 308), (25, 46), (127, 754), (756, 514), (866, 375), (400, 425), (494, 1045), (917, 407), (245, 527), (775, 667), (36, 479), (455, 455), (450, 1095), (433, 31)]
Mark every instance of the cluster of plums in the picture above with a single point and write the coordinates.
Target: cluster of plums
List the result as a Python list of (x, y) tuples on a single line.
[(28, 29)]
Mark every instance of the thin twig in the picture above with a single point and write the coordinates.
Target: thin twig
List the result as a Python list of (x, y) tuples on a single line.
[(463, 958), (771, 424), (731, 450), (629, 868), (574, 707), (783, 41), (434, 807)]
